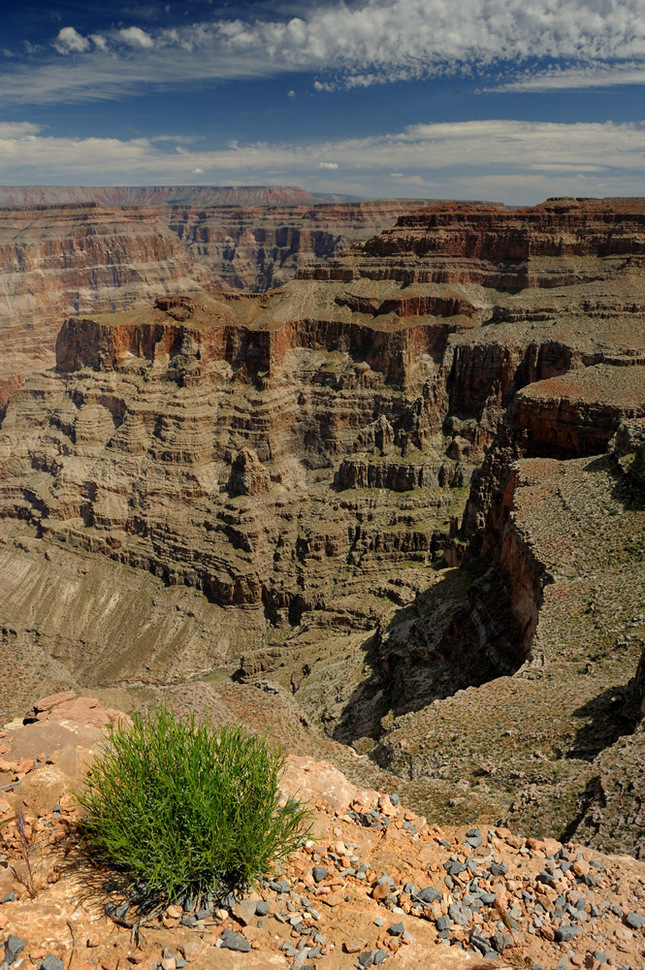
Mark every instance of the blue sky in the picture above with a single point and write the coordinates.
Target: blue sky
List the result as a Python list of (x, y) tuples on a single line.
[(510, 100)]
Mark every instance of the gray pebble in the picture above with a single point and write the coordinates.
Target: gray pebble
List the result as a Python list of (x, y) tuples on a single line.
[(430, 895), (51, 962), (280, 885), (319, 873), (261, 908), (8, 898), (634, 920), (566, 932), (231, 940), (396, 929), (382, 880), (13, 948), (500, 941)]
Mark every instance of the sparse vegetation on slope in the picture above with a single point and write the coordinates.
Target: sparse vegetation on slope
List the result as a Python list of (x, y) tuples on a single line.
[(185, 810)]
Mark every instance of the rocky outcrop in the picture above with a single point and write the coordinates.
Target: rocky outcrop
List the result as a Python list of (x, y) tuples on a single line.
[(371, 883), (68, 250)]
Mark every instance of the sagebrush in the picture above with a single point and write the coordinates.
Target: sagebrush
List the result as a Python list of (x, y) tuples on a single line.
[(185, 810)]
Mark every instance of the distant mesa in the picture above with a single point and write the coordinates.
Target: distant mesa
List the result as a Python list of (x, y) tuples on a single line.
[(163, 195)]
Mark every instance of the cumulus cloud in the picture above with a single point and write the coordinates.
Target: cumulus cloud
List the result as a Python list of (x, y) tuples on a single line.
[(584, 42), (513, 161), (70, 41), (136, 37)]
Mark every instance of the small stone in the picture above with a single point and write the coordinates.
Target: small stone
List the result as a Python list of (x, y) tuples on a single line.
[(174, 912), (430, 895), (566, 932), (230, 940), (396, 929), (8, 898), (13, 948), (319, 873), (634, 920), (366, 958), (168, 963), (379, 956), (353, 946), (261, 908), (280, 885), (51, 962), (191, 950), (500, 941), (245, 910)]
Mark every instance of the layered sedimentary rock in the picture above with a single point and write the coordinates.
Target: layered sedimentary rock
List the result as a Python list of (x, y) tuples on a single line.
[(299, 461), (117, 195), (74, 259), (106, 250)]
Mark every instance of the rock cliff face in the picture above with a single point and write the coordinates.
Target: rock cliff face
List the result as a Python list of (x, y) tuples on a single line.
[(80, 256), (287, 475)]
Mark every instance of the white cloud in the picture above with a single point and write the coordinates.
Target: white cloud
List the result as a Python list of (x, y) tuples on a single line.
[(136, 37), (70, 41), (99, 41), (514, 161), (598, 76), (587, 42)]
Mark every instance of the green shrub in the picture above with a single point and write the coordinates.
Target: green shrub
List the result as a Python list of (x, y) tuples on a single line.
[(185, 810)]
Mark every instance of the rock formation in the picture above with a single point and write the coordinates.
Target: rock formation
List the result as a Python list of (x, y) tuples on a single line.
[(68, 250), (405, 485)]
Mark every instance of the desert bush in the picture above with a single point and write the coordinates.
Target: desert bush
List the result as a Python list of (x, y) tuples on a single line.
[(183, 809)]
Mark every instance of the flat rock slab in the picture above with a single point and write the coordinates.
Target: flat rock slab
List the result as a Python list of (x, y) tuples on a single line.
[(416, 957), (229, 960), (33, 739)]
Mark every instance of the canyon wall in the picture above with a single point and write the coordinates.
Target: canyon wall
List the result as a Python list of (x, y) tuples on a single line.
[(111, 249)]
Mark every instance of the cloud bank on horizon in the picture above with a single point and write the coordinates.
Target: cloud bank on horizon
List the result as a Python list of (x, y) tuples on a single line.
[(508, 54)]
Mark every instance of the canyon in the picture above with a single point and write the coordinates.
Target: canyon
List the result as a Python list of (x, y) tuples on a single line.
[(397, 499), (67, 251)]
